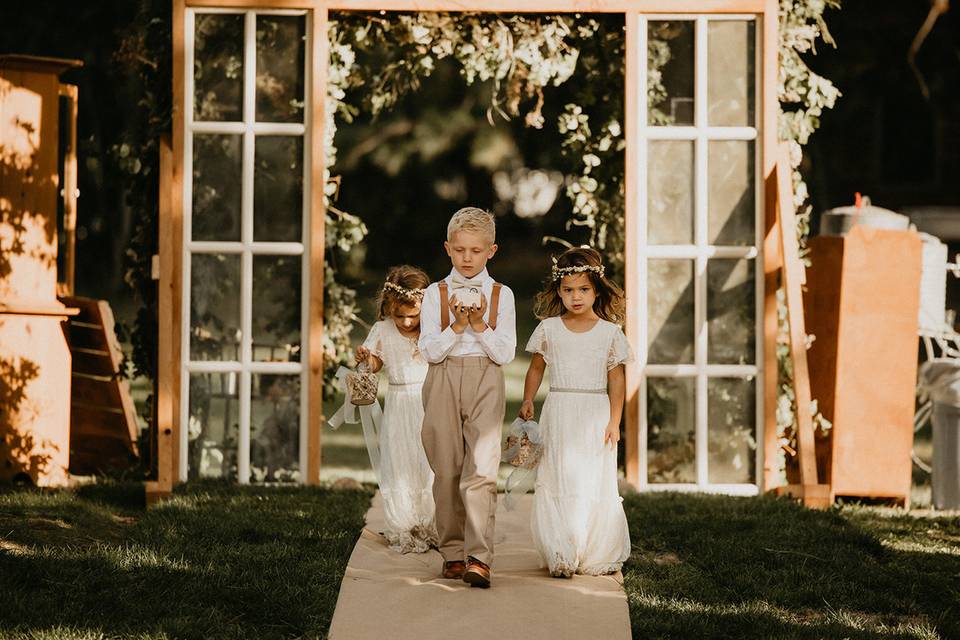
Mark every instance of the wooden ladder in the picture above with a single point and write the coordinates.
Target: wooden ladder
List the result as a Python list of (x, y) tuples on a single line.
[(809, 491), (103, 424)]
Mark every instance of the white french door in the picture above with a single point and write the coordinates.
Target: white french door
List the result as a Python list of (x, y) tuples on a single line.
[(246, 225), (699, 237)]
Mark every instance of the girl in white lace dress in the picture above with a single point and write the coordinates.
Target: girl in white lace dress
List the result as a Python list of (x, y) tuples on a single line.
[(406, 480), (578, 522)]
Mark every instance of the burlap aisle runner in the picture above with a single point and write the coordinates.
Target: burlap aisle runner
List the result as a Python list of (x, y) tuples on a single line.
[(388, 595)]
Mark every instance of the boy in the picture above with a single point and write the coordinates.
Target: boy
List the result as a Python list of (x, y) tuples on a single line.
[(463, 394)]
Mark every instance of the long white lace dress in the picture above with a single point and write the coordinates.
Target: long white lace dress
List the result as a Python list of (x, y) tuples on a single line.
[(578, 522), (406, 480)]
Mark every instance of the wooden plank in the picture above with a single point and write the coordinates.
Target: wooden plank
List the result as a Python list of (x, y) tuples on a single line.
[(110, 333), (314, 389), (771, 250), (171, 245), (91, 361), (814, 496), (792, 268), (498, 6), (632, 269), (70, 192), (101, 422), (81, 336), (254, 4), (167, 390), (551, 6), (95, 390), (98, 454)]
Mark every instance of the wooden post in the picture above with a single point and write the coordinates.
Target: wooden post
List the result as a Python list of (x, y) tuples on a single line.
[(632, 265), (167, 342), (69, 188), (318, 84)]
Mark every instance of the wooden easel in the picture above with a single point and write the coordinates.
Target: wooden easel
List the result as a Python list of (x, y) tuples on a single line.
[(810, 492)]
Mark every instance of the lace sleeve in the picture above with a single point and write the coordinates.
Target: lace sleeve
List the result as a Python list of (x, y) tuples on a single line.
[(374, 341), (620, 351), (538, 342)]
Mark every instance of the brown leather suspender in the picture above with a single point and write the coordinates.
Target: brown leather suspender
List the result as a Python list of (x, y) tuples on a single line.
[(493, 307), (444, 306)]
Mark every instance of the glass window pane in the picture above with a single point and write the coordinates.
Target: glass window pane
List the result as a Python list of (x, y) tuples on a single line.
[(670, 192), (218, 67), (217, 170), (671, 430), (732, 195), (731, 73), (281, 42), (275, 428), (213, 425), (732, 444), (670, 309), (276, 308), (278, 188), (670, 79), (215, 307), (731, 312)]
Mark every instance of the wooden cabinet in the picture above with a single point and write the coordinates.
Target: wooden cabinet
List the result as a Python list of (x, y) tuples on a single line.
[(861, 303), (34, 358)]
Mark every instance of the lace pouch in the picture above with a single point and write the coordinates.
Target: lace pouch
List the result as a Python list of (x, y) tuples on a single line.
[(362, 386), (523, 447)]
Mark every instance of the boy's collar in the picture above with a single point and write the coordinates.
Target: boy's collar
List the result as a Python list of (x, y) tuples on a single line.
[(482, 276)]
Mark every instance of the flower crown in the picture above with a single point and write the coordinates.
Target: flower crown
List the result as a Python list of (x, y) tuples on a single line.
[(410, 294), (558, 272)]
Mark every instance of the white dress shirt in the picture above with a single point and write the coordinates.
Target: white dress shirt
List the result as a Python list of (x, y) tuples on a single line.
[(500, 344)]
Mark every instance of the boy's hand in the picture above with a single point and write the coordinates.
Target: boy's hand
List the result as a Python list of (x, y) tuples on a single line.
[(475, 315), (461, 315), (611, 435), (526, 410)]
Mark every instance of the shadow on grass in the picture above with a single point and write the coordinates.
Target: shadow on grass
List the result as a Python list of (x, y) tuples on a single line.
[(216, 561), (723, 567)]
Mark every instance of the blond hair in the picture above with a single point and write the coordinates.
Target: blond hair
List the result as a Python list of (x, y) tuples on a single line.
[(474, 220)]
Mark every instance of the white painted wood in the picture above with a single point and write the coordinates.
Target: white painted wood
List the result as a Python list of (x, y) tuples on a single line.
[(247, 247)]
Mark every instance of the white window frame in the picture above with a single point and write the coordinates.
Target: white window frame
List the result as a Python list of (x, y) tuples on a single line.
[(246, 248), (700, 252)]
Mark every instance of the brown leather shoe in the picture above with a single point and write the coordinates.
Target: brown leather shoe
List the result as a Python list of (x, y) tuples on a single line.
[(453, 569), (477, 573)]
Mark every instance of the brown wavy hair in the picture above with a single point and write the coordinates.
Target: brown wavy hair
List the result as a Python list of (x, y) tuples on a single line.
[(610, 303), (404, 276)]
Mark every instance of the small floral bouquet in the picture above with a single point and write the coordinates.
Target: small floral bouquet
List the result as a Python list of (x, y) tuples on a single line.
[(362, 386)]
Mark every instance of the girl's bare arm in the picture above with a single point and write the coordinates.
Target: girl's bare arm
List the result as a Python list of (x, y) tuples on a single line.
[(531, 384), (617, 391)]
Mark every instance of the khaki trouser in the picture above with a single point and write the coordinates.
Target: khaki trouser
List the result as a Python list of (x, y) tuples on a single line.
[(464, 402)]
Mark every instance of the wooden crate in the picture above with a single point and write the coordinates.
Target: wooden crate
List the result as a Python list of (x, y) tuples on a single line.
[(103, 426)]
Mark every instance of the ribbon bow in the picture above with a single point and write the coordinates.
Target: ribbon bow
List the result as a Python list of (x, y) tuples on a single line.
[(460, 282), (371, 416)]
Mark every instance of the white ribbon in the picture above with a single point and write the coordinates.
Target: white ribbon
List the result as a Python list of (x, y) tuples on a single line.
[(523, 478), (371, 416)]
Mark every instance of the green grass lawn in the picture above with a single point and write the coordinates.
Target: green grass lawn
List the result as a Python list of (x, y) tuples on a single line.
[(216, 561), (222, 561), (725, 567)]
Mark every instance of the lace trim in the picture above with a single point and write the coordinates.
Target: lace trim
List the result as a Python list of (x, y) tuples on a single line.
[(419, 539), (561, 568)]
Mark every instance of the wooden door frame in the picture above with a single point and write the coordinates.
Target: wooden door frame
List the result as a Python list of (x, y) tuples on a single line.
[(172, 211)]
